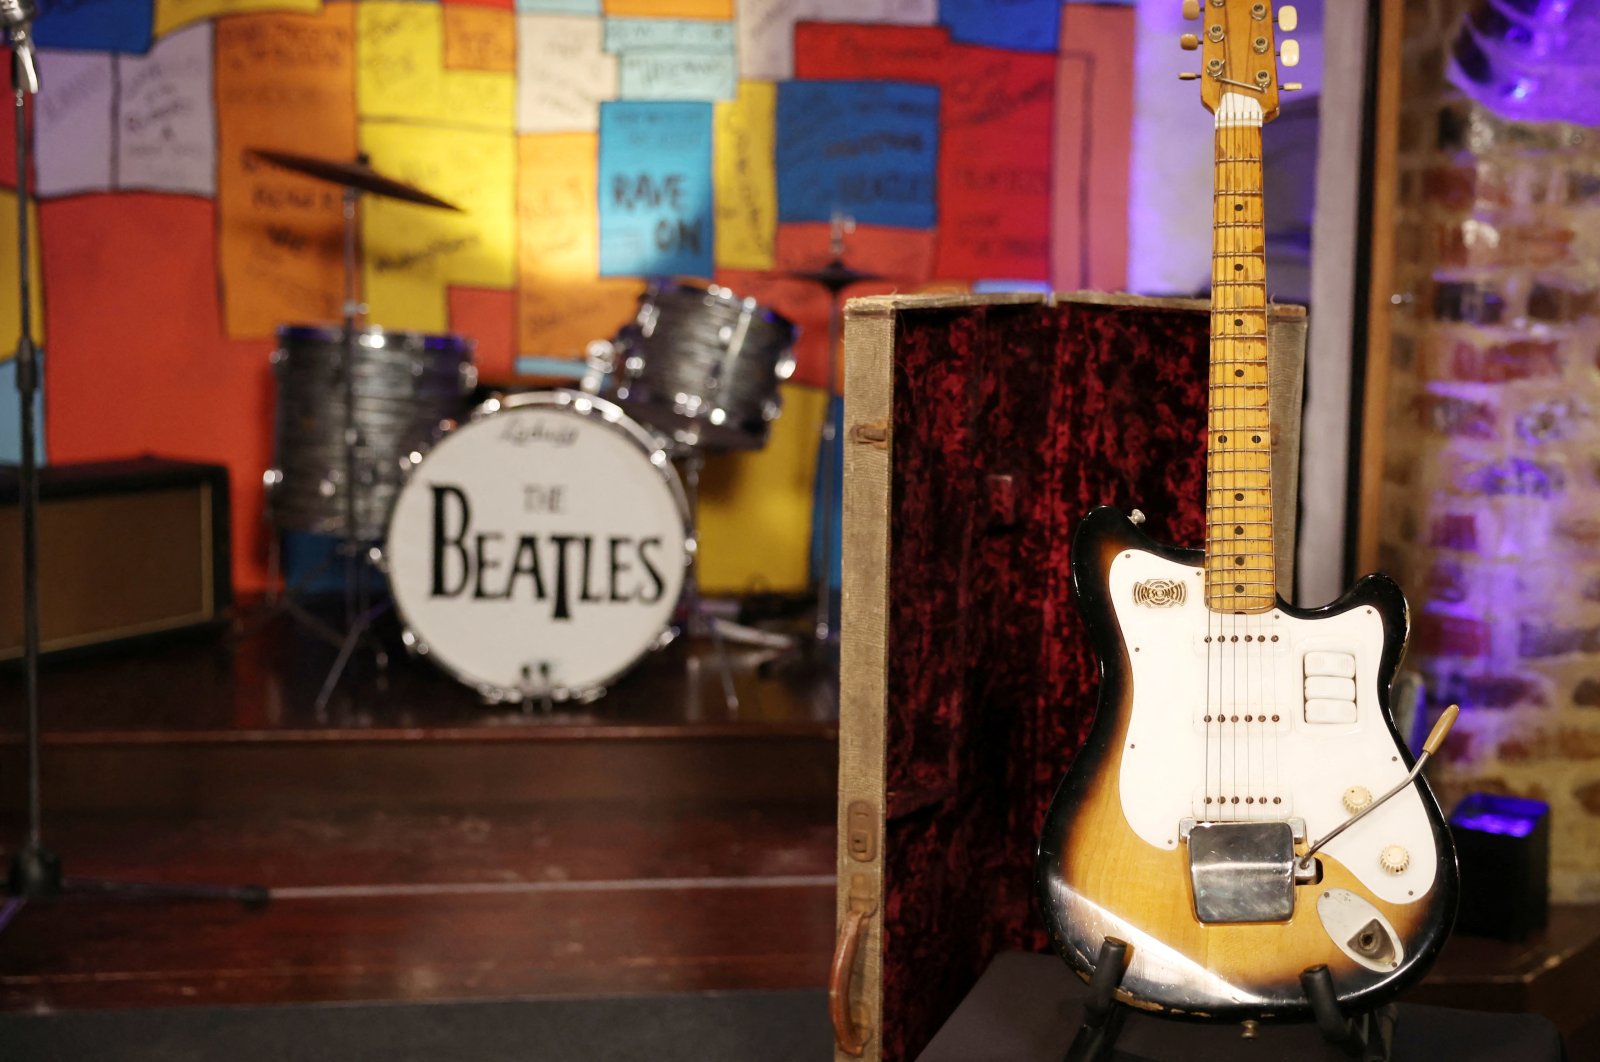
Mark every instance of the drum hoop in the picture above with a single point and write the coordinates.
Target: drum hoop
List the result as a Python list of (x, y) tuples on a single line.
[(581, 404), (317, 333)]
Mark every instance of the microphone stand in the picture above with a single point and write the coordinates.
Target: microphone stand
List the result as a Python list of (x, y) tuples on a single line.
[(35, 871)]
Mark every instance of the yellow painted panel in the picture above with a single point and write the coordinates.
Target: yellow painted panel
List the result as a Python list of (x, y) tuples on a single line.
[(414, 252), (10, 319), (175, 14), (755, 508), (746, 177), (400, 72)]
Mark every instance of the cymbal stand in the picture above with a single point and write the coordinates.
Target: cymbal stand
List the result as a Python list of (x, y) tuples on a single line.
[(35, 871), (809, 653), (358, 612)]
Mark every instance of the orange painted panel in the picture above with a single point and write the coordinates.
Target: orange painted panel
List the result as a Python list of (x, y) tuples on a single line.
[(285, 82), (479, 38), (715, 9)]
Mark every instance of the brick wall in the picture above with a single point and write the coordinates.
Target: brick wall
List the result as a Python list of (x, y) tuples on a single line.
[(1492, 470)]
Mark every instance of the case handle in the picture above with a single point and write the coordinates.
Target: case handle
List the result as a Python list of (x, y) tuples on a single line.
[(846, 1036)]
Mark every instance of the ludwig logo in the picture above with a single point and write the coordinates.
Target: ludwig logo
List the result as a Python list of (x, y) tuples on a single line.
[(1158, 593)]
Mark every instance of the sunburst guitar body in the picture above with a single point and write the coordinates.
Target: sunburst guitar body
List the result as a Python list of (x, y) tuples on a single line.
[(1243, 811), (1165, 758)]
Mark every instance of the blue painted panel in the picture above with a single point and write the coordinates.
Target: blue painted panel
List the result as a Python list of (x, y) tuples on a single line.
[(869, 149), (655, 189), (95, 25), (1024, 25), (11, 415)]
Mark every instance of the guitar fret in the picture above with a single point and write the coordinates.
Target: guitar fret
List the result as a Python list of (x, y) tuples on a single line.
[(1238, 529)]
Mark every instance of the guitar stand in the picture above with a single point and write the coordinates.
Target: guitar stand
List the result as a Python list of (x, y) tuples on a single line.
[(1102, 1014), (1368, 1037)]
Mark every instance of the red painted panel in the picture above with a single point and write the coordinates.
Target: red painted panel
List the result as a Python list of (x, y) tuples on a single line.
[(489, 318), (996, 128), (8, 144), (138, 362), (1094, 142)]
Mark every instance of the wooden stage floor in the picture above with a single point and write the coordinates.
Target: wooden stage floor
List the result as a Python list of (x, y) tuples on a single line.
[(419, 845)]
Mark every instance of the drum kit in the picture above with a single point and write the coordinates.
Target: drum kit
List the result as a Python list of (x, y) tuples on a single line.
[(536, 545)]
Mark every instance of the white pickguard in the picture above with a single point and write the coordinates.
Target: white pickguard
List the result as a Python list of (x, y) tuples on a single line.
[(1253, 668)]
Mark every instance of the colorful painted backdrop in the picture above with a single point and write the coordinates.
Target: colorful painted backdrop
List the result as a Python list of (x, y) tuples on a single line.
[(591, 143)]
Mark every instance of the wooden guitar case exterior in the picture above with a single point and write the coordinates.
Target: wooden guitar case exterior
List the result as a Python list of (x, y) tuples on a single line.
[(979, 430)]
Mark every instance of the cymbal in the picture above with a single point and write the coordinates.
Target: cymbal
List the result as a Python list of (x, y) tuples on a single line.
[(834, 276), (356, 175)]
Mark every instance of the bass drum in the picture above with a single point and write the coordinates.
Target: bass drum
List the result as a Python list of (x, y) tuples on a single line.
[(540, 549)]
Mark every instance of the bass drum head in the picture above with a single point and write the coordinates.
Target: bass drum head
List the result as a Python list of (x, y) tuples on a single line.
[(541, 548)]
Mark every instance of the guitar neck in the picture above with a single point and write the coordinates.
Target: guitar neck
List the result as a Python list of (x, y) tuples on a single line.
[(1241, 568)]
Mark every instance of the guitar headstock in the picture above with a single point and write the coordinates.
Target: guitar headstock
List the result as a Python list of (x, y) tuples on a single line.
[(1239, 50)]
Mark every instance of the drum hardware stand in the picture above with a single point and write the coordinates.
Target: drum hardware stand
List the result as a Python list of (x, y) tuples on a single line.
[(35, 871), (1368, 1037), (834, 277), (696, 619), (352, 178), (600, 363), (359, 614)]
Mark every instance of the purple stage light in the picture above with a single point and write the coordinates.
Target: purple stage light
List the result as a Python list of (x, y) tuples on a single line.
[(1531, 60), (1505, 815)]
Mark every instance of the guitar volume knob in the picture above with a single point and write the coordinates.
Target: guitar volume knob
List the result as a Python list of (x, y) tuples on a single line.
[(1357, 798), (1394, 858)]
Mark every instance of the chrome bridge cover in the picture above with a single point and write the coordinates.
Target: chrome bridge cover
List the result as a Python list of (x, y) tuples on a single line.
[(1242, 871)]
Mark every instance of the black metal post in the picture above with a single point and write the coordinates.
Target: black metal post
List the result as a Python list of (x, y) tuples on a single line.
[(34, 870)]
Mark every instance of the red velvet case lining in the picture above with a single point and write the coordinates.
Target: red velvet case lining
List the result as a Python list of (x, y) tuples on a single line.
[(991, 684)]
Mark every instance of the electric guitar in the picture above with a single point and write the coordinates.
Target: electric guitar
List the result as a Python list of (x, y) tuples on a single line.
[(1244, 808)]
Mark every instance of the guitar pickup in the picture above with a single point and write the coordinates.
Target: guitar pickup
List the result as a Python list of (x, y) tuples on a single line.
[(1330, 690)]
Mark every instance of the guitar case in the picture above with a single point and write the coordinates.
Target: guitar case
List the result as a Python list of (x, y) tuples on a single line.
[(979, 429)]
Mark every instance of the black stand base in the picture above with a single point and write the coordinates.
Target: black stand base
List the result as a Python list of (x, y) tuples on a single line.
[(35, 874), (1368, 1037)]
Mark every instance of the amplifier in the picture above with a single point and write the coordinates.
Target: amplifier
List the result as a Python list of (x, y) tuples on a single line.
[(127, 549)]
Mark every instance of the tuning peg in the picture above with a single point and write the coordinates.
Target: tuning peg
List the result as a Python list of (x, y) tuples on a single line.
[(1189, 76), (1188, 42), (1289, 53), (1288, 18), (1292, 86), (1191, 9)]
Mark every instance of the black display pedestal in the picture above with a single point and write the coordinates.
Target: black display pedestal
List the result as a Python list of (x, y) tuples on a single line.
[(1029, 1008)]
